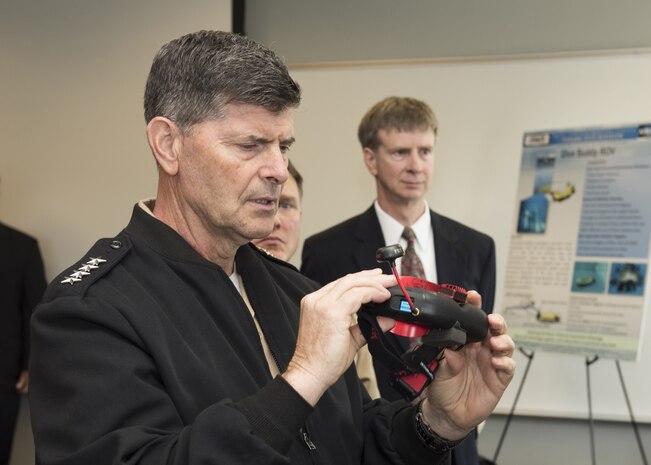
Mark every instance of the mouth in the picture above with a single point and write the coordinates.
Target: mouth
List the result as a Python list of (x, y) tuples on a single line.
[(267, 203), (413, 184)]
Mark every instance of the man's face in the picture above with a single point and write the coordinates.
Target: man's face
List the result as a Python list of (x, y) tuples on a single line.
[(283, 241), (231, 172), (402, 165)]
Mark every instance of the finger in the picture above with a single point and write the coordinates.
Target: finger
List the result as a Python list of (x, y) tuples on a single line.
[(374, 274), (355, 298), (334, 290), (473, 298), (502, 345), (505, 365), (328, 287), (358, 290), (367, 278), (358, 337), (385, 323), (496, 324)]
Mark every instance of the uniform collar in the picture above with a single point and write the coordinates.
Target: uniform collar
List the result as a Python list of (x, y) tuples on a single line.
[(159, 236)]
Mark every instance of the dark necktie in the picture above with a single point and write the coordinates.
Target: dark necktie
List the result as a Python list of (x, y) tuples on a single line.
[(411, 264)]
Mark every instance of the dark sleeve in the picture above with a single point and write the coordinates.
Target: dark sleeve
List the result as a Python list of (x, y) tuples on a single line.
[(96, 397), (33, 287), (488, 276), (391, 437), (268, 415)]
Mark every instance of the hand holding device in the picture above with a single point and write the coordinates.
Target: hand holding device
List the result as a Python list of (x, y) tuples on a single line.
[(438, 314)]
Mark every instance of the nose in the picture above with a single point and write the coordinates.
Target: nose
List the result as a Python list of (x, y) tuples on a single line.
[(414, 161), (275, 168)]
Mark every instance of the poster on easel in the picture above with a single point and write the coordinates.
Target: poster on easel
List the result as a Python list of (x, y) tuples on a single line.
[(577, 270)]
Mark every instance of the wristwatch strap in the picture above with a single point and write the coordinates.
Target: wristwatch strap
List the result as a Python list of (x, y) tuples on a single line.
[(428, 436)]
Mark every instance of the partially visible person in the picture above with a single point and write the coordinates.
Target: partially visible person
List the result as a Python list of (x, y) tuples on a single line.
[(397, 137), (283, 242), (22, 283), (178, 342)]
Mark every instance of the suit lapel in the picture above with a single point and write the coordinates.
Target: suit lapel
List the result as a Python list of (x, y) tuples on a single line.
[(450, 258), (369, 238)]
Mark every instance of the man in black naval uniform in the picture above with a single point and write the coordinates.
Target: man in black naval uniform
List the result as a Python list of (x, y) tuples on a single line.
[(178, 342)]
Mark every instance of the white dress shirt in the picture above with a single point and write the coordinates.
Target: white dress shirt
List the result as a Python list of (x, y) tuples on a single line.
[(392, 232)]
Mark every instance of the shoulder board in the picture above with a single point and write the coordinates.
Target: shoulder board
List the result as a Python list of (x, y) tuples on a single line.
[(269, 256), (102, 257)]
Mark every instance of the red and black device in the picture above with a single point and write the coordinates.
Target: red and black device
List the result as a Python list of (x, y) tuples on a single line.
[(434, 316)]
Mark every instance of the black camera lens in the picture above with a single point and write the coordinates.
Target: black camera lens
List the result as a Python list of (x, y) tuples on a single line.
[(389, 253)]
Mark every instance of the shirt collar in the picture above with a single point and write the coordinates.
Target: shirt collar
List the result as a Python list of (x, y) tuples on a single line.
[(148, 205), (392, 229)]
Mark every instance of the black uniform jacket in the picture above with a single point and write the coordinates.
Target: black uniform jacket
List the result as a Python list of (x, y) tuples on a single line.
[(144, 352)]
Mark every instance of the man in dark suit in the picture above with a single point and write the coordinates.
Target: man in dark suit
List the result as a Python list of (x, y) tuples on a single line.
[(397, 136), (22, 283)]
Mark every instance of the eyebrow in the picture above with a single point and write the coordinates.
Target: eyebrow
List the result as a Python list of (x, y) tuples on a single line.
[(402, 148), (264, 140)]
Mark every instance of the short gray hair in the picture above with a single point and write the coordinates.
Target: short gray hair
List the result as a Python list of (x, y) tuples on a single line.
[(194, 77)]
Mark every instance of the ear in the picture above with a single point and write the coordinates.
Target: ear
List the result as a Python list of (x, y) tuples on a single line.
[(163, 136), (370, 161)]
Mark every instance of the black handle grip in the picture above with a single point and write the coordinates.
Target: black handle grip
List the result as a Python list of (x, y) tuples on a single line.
[(436, 311)]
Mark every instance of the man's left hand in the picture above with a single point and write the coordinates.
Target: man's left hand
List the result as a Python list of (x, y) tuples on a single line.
[(470, 382)]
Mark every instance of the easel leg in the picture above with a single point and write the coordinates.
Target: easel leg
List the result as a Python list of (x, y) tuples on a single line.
[(588, 362), (515, 402), (630, 412)]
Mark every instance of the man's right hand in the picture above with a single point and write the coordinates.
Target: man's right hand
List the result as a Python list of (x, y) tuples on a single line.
[(327, 340)]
